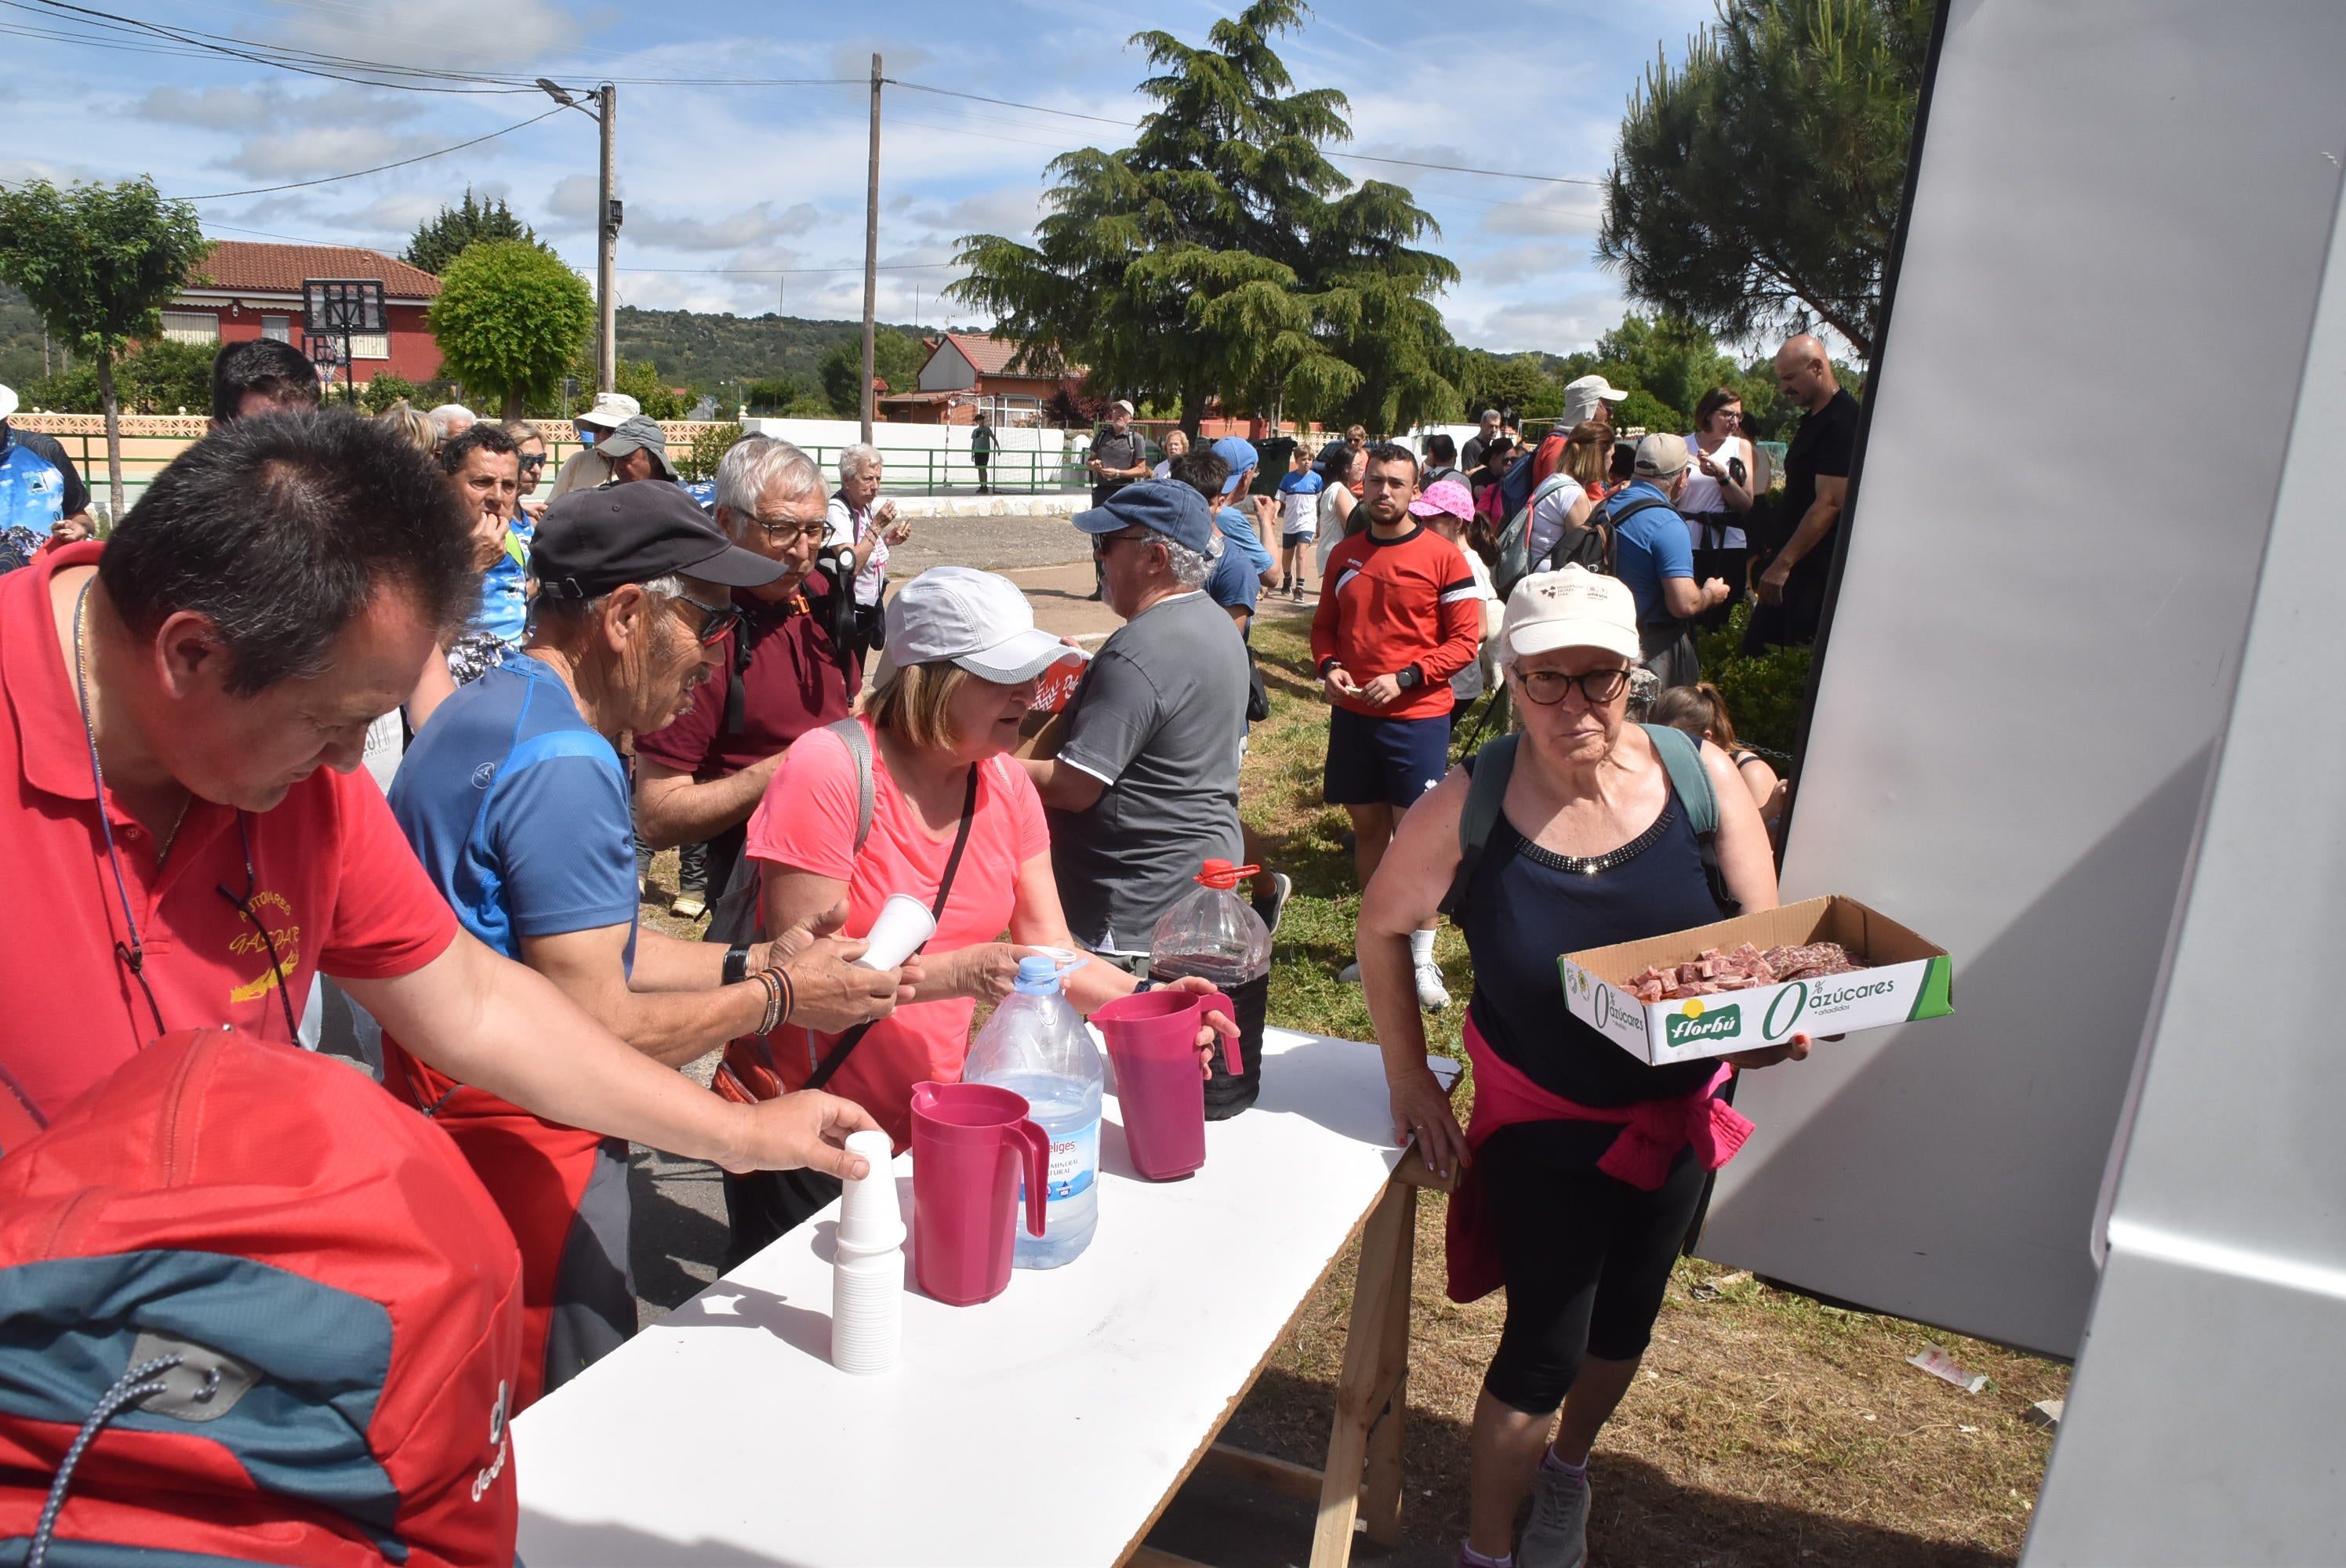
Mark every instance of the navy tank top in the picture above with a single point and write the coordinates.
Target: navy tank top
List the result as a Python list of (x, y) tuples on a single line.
[(1525, 907)]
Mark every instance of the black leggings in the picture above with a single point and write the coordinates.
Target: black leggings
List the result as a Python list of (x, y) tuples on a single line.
[(1586, 1258)]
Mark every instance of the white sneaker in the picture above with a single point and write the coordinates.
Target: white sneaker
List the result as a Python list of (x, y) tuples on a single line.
[(1351, 973), (1432, 995)]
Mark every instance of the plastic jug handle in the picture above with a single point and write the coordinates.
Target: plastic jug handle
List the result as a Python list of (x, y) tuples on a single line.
[(1035, 1154), (1215, 1001)]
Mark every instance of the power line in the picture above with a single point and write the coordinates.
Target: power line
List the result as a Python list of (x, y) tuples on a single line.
[(791, 271), (402, 163), (258, 54)]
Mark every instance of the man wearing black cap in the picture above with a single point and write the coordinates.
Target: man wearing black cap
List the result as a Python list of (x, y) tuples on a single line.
[(515, 800)]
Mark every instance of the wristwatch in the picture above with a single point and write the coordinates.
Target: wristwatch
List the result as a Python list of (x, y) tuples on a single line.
[(1409, 678), (1331, 662), (736, 964)]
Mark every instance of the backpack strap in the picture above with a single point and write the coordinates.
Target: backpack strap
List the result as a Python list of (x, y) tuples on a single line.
[(1681, 755), (859, 751), (1487, 771), (737, 915)]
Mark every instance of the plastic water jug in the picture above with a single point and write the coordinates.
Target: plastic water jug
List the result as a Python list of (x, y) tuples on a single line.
[(973, 1146), (1215, 932), (1036, 1046)]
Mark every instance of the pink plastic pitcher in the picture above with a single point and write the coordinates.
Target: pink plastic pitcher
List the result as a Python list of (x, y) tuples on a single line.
[(969, 1141), (1152, 1038)]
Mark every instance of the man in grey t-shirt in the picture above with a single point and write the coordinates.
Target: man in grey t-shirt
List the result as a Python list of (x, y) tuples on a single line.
[(1145, 786)]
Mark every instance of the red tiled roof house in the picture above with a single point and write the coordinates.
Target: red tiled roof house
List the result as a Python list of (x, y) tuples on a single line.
[(965, 369), (245, 289)]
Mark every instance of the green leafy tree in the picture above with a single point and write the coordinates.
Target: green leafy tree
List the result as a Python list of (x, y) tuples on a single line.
[(378, 394), (895, 358), (700, 461), (1758, 183), (99, 263), (772, 394), (1518, 383), (440, 241), (161, 377), (509, 320), (1222, 256)]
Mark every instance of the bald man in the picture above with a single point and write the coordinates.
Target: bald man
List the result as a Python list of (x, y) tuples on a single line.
[(1816, 486)]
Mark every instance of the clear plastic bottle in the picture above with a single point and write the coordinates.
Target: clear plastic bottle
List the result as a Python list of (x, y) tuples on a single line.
[(1216, 933), (1035, 1045)]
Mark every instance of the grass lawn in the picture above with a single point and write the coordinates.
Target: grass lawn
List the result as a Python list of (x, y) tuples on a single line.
[(1766, 1430)]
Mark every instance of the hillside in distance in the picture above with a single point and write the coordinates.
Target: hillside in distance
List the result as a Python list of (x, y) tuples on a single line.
[(713, 352)]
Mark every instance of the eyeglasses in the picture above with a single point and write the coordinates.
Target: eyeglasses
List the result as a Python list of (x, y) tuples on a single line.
[(1100, 542), (1597, 686), (783, 533), (722, 618), (533, 461)]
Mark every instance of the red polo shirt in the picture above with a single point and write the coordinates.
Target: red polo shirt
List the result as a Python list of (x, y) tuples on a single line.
[(330, 876), (791, 684)]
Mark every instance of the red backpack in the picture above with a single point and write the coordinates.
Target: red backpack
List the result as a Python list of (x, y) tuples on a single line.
[(253, 1309)]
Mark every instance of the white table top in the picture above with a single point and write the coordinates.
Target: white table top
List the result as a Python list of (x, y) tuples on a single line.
[(1044, 1427)]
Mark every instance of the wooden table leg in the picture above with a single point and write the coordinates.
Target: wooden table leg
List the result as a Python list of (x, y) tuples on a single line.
[(1361, 1389), (1381, 1499)]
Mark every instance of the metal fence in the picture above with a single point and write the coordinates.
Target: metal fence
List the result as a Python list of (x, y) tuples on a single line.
[(922, 470)]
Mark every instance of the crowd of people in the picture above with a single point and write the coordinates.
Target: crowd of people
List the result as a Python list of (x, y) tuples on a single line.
[(572, 674)]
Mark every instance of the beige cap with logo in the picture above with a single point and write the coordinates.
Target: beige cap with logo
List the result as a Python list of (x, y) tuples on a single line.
[(1573, 608)]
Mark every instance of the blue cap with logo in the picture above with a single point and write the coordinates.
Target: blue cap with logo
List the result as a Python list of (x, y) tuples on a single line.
[(1167, 505), (1241, 454)]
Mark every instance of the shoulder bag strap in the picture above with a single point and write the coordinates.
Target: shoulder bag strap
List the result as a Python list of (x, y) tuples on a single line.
[(1486, 792), (1681, 755), (846, 1044)]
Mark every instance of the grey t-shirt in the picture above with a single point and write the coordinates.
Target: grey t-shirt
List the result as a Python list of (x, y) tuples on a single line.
[(1159, 717)]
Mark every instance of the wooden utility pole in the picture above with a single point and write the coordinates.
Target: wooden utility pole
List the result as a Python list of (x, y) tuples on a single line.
[(871, 251), (606, 253)]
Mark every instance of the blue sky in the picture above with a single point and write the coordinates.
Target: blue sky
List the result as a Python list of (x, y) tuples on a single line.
[(719, 177)]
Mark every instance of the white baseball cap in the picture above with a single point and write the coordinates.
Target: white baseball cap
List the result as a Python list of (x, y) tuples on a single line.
[(611, 410), (1573, 608), (7, 401), (1581, 398), (1661, 456), (978, 620)]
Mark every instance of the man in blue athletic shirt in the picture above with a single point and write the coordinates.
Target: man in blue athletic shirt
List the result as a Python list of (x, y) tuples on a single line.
[(516, 801), (42, 496), (1651, 554)]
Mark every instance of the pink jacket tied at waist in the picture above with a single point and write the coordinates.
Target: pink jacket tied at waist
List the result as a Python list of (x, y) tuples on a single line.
[(1652, 1134)]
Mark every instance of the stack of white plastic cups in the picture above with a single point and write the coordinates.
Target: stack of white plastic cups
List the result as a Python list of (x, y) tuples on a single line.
[(867, 1276)]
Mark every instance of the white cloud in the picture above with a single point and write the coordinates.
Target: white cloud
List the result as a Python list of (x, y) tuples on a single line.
[(293, 154), (1550, 209), (751, 226), (1557, 325), (474, 34), (268, 107), (897, 57), (572, 199), (1518, 262), (1010, 209)]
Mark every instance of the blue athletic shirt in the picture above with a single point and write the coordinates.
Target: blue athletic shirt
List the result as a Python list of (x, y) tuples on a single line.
[(1648, 547), (519, 811)]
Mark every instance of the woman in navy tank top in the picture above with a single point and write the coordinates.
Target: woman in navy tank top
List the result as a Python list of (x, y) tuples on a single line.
[(1584, 1165)]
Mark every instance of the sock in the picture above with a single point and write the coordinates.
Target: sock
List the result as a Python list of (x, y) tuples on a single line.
[(1420, 947), (1551, 1464), (1474, 1559)]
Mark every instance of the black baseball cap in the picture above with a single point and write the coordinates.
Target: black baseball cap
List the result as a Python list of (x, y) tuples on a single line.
[(593, 540)]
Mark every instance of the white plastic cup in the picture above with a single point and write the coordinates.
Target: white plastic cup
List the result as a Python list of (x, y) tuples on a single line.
[(867, 1274), (904, 925)]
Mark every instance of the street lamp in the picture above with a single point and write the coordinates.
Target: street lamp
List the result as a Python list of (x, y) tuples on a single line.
[(607, 217)]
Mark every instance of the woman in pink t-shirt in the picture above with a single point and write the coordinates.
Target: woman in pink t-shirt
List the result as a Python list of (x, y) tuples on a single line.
[(962, 656)]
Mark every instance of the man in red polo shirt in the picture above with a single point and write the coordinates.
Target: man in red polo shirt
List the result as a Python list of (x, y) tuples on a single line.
[(185, 711), (780, 675)]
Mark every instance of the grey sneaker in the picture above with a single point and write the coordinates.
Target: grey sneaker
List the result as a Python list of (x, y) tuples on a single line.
[(1556, 1535), (1432, 995), (1270, 906)]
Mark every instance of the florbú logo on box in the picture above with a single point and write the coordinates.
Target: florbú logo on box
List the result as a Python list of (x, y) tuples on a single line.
[(1693, 1022)]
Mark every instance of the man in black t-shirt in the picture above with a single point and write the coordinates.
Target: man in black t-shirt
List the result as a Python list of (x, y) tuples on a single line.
[(1119, 454), (1793, 583)]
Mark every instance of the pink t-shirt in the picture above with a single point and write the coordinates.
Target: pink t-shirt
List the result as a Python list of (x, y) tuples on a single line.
[(807, 822)]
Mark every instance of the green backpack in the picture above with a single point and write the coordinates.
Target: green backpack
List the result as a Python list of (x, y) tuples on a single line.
[(1490, 768)]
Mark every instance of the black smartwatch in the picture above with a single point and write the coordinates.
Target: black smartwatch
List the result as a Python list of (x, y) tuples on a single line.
[(1331, 662), (736, 964), (1409, 678)]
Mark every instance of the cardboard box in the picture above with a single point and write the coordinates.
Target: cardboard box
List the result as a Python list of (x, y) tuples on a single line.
[(1905, 979)]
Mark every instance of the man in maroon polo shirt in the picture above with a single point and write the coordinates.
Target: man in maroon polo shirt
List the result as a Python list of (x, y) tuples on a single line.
[(182, 714), (780, 673)]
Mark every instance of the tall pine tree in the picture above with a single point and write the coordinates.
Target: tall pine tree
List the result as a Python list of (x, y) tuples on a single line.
[(1222, 256), (440, 241)]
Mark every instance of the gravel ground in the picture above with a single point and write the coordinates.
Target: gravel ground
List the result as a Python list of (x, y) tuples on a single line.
[(989, 544)]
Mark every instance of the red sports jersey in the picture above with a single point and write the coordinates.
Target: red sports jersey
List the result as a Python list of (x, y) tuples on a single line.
[(1388, 603)]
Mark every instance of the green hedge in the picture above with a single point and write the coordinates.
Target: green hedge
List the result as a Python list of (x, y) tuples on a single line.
[(1764, 694)]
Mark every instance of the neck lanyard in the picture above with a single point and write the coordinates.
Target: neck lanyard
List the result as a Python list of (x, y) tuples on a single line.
[(133, 953)]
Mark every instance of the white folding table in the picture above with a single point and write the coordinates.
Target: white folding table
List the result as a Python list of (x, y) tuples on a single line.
[(1051, 1425)]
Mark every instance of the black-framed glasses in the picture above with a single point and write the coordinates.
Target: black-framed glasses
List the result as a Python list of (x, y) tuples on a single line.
[(1100, 542), (722, 618), (533, 459), (783, 533), (1597, 686)]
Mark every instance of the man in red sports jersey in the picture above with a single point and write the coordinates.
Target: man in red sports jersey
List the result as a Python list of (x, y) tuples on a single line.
[(1398, 615)]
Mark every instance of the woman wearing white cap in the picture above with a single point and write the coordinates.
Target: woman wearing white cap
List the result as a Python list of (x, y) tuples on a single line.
[(1584, 1165), (955, 821)]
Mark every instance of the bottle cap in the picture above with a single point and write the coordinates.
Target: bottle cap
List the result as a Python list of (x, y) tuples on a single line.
[(1037, 977), (1223, 875)]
